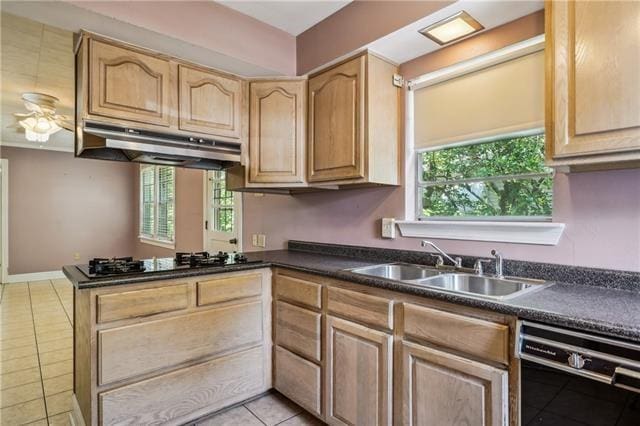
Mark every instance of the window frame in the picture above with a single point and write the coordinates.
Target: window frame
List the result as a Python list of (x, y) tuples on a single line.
[(216, 206), (419, 183), (154, 239)]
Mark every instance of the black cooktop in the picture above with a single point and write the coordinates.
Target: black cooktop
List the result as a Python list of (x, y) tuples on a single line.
[(121, 266)]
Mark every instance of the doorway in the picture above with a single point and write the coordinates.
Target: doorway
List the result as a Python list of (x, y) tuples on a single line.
[(222, 213), (4, 219)]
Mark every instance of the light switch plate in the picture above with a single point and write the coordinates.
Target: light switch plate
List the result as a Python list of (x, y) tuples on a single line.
[(262, 240), (254, 240), (388, 227)]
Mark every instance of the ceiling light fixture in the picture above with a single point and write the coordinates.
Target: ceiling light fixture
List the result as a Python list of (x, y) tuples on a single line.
[(41, 121), (452, 29)]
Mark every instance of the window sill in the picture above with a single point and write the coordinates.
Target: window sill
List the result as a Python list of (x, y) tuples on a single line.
[(542, 233), (158, 243)]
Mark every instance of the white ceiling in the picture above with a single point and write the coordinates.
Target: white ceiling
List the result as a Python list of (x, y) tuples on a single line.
[(407, 43), (293, 17)]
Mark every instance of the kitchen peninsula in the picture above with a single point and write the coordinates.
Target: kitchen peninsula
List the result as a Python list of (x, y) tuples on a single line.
[(176, 345)]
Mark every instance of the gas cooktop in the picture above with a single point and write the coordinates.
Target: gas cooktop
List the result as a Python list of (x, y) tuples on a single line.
[(116, 266)]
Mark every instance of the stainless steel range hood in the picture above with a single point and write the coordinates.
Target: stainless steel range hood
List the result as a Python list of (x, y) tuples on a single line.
[(115, 143)]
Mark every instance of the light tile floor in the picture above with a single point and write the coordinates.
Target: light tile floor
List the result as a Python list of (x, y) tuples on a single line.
[(36, 364), (36, 352)]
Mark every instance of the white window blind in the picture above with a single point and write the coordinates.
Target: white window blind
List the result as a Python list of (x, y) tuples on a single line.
[(501, 99), (157, 202)]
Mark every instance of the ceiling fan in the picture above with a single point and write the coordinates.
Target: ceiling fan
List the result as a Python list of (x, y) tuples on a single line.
[(41, 121)]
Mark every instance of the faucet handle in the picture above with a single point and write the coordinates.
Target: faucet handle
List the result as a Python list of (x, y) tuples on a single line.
[(477, 266)]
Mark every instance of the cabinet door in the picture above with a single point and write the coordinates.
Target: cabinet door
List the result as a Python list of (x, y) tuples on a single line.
[(337, 123), (129, 85), (209, 102), (440, 389), (277, 132), (358, 376), (593, 77)]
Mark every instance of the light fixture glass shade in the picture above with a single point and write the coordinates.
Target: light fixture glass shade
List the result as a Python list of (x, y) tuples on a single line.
[(38, 129), (453, 28)]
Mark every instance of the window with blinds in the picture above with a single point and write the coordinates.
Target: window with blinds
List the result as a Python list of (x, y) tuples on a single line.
[(479, 143), (157, 203)]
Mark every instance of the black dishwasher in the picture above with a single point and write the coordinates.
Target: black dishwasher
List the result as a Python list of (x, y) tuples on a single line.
[(572, 378)]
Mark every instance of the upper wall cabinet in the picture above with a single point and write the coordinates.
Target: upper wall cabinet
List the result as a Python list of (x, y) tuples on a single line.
[(277, 131), (129, 85), (593, 84), (121, 84), (209, 102), (353, 123)]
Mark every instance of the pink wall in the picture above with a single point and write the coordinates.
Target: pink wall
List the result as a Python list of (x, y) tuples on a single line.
[(59, 205), (209, 25), (356, 25), (189, 216)]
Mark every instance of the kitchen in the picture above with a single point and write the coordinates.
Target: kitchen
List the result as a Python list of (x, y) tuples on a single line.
[(341, 212)]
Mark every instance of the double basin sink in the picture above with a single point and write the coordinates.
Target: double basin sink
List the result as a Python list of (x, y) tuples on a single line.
[(451, 281)]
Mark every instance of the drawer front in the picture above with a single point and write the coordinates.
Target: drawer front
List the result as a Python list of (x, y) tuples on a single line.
[(298, 379), (140, 303), (224, 289), (478, 337), (185, 394), (299, 291), (298, 330), (373, 310), (141, 348)]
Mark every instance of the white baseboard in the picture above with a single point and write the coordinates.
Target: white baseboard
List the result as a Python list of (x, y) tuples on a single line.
[(35, 276)]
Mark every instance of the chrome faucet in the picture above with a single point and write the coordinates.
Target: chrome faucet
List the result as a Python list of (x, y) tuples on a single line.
[(457, 262), (498, 257)]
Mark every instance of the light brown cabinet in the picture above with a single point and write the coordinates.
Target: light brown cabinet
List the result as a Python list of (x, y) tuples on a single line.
[(439, 388), (358, 374), (209, 102), (117, 83), (353, 123), (277, 131), (129, 85), (593, 81)]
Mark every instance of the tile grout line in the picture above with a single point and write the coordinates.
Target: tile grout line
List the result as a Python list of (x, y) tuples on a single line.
[(55, 290), (44, 399), (254, 415)]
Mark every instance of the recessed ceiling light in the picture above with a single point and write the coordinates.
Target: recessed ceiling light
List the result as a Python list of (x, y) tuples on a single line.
[(452, 28)]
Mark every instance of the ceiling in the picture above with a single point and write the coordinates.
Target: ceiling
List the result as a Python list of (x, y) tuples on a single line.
[(294, 17), (407, 43)]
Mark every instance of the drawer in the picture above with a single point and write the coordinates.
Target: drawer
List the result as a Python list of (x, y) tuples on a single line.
[(140, 303), (373, 310), (484, 339), (298, 379), (229, 288), (187, 393), (298, 290), (298, 330), (133, 350)]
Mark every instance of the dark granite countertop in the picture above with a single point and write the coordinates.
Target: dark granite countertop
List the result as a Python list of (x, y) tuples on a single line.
[(603, 310)]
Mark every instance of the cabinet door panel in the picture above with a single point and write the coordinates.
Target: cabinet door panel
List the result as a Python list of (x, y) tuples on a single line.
[(439, 388), (594, 77), (209, 102), (358, 374), (337, 123), (277, 131), (129, 85)]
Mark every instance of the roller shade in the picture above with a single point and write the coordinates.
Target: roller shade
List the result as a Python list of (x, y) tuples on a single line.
[(501, 99)]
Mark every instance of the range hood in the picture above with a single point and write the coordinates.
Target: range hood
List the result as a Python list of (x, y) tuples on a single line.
[(115, 143)]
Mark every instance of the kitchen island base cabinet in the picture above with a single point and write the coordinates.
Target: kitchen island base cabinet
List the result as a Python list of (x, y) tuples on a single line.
[(358, 380), (439, 388)]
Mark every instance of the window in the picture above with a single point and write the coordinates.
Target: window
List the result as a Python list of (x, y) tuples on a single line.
[(157, 203), (222, 202), (501, 179)]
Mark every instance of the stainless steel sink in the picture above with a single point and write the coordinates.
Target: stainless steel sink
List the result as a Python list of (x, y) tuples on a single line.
[(490, 287), (455, 282), (397, 271)]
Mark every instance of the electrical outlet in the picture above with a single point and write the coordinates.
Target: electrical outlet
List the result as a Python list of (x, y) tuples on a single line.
[(76, 256), (388, 227), (262, 240)]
